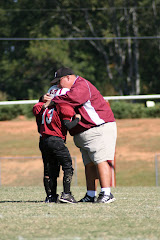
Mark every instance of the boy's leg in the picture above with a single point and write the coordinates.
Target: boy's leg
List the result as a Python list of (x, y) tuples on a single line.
[(53, 169), (63, 156), (46, 179), (59, 152), (51, 173)]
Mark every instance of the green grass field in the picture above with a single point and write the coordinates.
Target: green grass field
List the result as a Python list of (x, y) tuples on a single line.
[(134, 215)]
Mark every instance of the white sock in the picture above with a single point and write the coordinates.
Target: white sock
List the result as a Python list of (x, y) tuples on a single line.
[(106, 190), (91, 193)]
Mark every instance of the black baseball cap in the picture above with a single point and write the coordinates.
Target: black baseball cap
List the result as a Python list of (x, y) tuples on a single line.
[(61, 73)]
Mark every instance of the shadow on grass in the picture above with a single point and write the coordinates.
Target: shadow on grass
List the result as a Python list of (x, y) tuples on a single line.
[(6, 201)]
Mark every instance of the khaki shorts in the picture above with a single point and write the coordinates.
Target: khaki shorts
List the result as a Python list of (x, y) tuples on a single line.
[(98, 143)]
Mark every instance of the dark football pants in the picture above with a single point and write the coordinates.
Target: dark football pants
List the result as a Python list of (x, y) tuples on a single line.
[(57, 152), (50, 184)]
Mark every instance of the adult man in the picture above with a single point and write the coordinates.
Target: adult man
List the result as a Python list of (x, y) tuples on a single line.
[(53, 128), (95, 134)]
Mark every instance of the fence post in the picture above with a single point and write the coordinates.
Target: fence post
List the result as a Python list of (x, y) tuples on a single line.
[(0, 172), (156, 168), (75, 170)]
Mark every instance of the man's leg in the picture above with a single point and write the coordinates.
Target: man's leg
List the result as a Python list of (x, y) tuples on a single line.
[(104, 172), (91, 177), (90, 174), (91, 183)]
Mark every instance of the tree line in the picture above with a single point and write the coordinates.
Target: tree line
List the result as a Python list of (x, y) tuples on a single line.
[(114, 44)]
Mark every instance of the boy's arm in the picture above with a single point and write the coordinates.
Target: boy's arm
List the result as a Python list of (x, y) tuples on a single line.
[(46, 97), (69, 118), (71, 124)]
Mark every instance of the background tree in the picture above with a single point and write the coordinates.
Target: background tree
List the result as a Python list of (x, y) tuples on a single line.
[(115, 66)]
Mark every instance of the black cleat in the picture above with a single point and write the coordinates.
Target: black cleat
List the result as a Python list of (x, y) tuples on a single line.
[(67, 198), (87, 198), (102, 198), (52, 199)]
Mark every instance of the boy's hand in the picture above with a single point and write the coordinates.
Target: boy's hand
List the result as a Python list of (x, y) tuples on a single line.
[(46, 97)]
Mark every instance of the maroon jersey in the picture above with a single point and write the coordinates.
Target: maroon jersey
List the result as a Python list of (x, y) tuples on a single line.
[(51, 119), (88, 101)]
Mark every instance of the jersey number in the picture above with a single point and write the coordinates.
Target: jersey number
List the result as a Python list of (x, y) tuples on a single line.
[(48, 117)]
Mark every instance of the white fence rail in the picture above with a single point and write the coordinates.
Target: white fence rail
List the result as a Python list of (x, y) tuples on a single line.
[(129, 97)]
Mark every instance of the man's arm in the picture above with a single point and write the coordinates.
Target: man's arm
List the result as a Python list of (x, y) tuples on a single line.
[(39, 107), (78, 94)]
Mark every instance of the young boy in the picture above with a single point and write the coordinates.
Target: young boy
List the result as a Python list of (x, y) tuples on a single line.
[(55, 120)]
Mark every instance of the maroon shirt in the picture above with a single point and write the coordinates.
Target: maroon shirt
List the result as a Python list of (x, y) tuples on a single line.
[(87, 101), (51, 119)]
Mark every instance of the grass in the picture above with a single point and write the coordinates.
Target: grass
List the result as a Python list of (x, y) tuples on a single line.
[(137, 173), (134, 215)]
